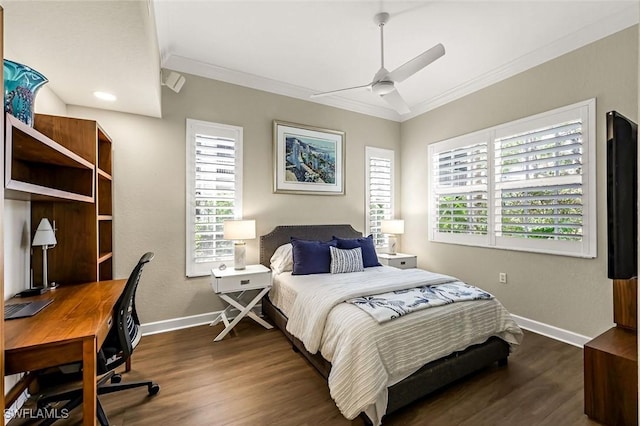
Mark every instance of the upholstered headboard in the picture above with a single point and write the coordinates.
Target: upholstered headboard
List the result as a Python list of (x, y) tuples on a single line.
[(282, 235)]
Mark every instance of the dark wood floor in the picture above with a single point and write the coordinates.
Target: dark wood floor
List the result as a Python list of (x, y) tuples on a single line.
[(253, 377)]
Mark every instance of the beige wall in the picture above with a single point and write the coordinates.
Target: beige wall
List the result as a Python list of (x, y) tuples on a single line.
[(565, 292), (149, 168), (149, 173)]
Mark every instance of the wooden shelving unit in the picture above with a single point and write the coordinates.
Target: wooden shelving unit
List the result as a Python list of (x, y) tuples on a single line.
[(104, 206), (39, 168), (84, 230)]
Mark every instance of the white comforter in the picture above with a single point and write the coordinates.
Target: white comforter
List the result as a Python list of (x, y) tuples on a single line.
[(366, 356)]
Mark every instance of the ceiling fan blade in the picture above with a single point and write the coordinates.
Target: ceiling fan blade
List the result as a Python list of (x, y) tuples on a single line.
[(416, 64), (318, 95), (395, 100)]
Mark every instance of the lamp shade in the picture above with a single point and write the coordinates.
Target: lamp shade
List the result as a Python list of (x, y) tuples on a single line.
[(392, 226), (44, 234), (239, 229)]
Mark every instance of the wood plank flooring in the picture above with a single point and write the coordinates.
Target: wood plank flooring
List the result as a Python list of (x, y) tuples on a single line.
[(253, 377)]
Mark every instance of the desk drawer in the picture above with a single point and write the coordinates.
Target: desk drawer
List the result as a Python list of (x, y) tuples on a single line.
[(241, 282)]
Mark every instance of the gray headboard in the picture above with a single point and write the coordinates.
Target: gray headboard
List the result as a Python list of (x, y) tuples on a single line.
[(282, 235)]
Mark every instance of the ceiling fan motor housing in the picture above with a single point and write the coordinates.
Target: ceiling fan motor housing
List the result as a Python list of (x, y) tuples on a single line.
[(383, 87)]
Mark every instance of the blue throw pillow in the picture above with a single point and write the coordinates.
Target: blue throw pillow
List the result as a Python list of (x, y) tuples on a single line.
[(369, 256), (311, 257)]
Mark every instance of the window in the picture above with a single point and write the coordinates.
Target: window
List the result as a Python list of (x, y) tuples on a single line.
[(214, 192), (526, 185), (379, 191)]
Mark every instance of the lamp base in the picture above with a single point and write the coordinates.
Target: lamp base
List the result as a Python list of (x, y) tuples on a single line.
[(239, 256), (393, 242)]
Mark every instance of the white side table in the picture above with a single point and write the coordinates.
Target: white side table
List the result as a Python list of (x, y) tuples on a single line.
[(231, 284), (398, 260)]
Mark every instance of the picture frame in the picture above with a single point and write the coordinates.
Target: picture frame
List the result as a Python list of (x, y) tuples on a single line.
[(308, 160)]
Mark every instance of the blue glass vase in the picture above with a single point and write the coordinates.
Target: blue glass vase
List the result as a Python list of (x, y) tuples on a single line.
[(21, 84)]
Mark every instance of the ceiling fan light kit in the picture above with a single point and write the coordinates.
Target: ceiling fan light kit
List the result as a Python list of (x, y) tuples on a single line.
[(383, 83)]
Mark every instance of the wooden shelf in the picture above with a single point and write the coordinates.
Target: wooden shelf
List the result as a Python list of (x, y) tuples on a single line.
[(104, 174), (105, 242), (104, 152), (105, 270), (84, 251), (37, 167), (104, 200)]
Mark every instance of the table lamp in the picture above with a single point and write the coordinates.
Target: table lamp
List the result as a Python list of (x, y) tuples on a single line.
[(239, 230), (392, 227), (45, 237)]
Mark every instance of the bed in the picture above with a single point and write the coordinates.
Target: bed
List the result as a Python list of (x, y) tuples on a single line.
[(400, 386)]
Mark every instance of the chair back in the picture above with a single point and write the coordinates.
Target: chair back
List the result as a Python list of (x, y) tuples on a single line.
[(125, 335)]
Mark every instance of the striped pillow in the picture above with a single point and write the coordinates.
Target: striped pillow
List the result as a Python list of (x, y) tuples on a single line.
[(346, 260)]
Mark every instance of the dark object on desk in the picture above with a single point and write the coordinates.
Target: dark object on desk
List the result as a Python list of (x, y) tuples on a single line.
[(25, 309), (115, 351), (31, 292)]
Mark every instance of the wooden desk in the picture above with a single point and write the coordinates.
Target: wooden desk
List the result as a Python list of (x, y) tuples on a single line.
[(70, 329)]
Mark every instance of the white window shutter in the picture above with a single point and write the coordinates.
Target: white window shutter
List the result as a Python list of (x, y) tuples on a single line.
[(538, 191), (214, 192), (525, 185), (379, 191), (460, 190)]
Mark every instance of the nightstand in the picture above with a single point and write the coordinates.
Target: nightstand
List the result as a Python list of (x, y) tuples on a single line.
[(231, 284), (398, 260)]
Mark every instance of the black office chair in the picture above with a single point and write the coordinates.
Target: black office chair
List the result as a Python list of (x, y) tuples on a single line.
[(115, 351)]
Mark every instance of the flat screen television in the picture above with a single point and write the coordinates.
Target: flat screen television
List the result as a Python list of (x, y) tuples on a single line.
[(622, 196)]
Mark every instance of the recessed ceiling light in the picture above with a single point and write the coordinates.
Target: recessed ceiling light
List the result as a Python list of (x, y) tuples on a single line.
[(105, 96)]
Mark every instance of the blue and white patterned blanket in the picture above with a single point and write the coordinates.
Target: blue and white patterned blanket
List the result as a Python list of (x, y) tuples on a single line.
[(394, 304)]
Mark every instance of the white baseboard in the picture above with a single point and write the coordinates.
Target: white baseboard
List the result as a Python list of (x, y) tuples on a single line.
[(547, 330), (177, 323), (187, 322)]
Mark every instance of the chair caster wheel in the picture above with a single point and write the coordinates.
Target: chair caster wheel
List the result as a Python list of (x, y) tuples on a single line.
[(154, 388), (116, 378)]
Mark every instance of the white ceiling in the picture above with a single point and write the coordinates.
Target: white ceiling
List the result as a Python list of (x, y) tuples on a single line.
[(296, 47), (88, 46)]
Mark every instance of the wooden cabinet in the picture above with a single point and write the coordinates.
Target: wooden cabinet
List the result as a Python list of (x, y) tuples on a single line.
[(611, 363), (84, 230), (611, 377)]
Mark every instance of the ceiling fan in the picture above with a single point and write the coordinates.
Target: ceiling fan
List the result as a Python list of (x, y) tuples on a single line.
[(383, 83)]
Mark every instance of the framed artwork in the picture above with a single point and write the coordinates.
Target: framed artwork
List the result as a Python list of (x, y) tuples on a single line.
[(307, 160)]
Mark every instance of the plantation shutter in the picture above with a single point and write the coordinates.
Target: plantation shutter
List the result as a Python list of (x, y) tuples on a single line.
[(459, 183), (379, 191), (531, 186), (538, 191), (380, 197), (214, 193)]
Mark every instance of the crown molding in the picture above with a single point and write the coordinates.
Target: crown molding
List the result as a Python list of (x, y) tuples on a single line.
[(586, 35), (190, 66)]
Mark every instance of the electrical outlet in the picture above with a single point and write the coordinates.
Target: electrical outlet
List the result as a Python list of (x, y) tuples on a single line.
[(502, 277)]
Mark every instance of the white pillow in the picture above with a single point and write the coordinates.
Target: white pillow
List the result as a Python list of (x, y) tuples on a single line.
[(282, 259), (346, 260)]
